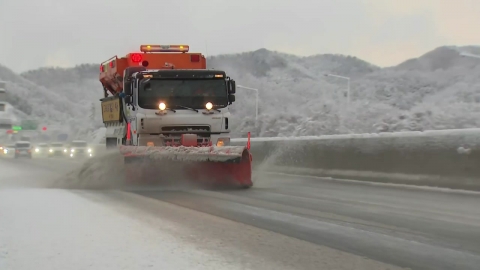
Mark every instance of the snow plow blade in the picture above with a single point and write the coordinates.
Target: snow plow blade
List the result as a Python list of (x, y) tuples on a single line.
[(218, 166)]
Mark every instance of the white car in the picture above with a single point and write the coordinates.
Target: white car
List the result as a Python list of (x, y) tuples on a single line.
[(80, 149), (57, 149), (41, 149)]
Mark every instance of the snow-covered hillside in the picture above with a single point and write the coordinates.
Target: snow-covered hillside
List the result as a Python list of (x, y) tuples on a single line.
[(438, 90), (55, 96)]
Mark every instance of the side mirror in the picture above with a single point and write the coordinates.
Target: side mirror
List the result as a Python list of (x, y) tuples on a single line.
[(127, 87), (127, 80), (231, 98), (231, 87)]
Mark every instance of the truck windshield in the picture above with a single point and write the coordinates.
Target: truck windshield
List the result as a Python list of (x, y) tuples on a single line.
[(79, 144), (190, 93)]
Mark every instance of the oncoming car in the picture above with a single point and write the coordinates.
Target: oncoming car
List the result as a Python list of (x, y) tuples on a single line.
[(41, 149), (80, 149), (57, 149), (9, 150)]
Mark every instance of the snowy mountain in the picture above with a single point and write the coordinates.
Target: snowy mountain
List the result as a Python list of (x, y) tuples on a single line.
[(438, 90), (79, 90), (56, 96)]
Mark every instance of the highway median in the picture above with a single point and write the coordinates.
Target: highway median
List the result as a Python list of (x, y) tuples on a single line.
[(443, 158)]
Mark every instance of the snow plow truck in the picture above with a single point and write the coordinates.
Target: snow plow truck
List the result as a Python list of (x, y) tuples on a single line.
[(168, 115)]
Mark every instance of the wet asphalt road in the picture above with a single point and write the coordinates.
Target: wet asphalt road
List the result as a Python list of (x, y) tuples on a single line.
[(417, 228)]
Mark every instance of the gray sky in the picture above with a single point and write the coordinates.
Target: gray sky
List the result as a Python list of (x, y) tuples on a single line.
[(36, 33)]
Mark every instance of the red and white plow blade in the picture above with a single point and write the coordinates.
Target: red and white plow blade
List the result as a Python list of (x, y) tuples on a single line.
[(225, 165)]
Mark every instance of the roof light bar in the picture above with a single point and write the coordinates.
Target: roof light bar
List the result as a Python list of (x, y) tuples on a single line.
[(164, 48)]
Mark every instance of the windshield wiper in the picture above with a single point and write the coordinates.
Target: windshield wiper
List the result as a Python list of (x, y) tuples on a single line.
[(170, 109), (186, 108)]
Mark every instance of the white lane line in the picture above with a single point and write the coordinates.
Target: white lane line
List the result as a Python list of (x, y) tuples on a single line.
[(361, 182)]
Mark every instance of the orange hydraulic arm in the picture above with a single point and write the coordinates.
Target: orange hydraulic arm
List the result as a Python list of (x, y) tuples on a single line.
[(150, 57)]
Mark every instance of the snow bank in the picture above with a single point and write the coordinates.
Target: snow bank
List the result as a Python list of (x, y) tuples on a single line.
[(408, 134)]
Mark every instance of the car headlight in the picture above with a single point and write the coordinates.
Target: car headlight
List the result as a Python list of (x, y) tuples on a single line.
[(65, 150), (73, 150), (223, 141), (5, 151), (50, 150), (89, 150), (37, 150)]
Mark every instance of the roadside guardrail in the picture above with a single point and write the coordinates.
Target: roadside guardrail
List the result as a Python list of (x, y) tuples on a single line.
[(442, 158)]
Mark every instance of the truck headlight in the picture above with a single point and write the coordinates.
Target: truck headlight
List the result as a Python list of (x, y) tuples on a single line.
[(37, 150), (50, 150), (5, 151), (162, 106), (65, 150), (73, 150), (89, 150), (209, 105), (223, 141)]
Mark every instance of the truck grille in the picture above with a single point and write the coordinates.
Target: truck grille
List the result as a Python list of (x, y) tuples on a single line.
[(172, 134), (186, 129)]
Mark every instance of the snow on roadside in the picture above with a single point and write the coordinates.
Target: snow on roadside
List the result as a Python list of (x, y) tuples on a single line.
[(3, 248), (60, 230)]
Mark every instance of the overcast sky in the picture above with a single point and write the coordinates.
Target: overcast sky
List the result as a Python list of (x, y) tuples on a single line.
[(36, 33)]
